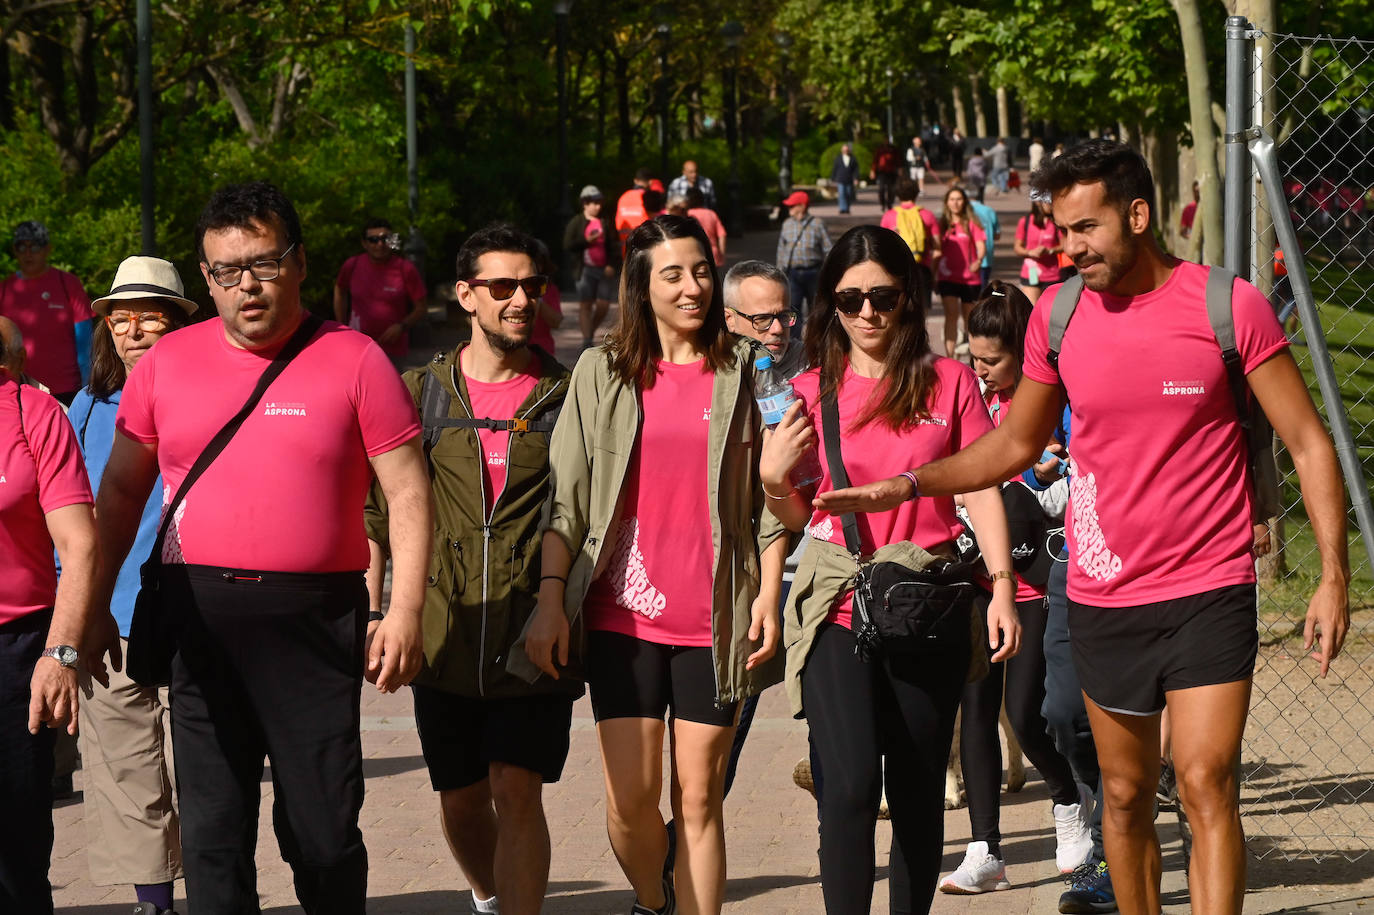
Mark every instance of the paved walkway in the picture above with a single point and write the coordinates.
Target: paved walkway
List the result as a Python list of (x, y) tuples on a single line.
[(771, 824)]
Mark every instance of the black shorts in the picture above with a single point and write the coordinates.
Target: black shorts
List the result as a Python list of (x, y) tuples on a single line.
[(632, 678), (964, 292), (461, 737), (1127, 658)]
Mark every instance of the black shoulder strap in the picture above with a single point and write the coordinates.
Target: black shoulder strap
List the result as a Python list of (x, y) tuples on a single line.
[(830, 430), (222, 438), (434, 402), (1220, 286), (1061, 312), (497, 425)]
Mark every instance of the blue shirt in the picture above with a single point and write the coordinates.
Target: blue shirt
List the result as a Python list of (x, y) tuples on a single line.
[(94, 421), (988, 217)]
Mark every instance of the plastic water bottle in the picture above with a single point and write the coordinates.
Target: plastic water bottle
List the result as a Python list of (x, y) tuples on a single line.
[(774, 395)]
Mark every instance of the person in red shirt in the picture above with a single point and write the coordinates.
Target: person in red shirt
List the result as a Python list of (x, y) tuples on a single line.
[(629, 209), (1189, 214), (53, 313), (379, 292), (45, 502)]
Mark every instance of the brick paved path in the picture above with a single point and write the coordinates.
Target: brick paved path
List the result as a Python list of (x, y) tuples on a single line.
[(771, 824)]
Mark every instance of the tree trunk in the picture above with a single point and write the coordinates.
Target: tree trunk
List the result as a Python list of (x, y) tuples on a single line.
[(1204, 131), (6, 100), (960, 112), (1003, 112), (600, 145), (622, 102), (942, 113), (980, 116)]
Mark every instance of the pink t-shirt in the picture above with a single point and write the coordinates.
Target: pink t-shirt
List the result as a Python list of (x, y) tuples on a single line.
[(594, 255), (998, 407), (714, 230), (47, 308), (498, 400), (1159, 504), (1033, 236), (873, 451), (40, 471), (959, 260), (380, 295), (287, 494), (541, 336), (657, 586), (927, 218)]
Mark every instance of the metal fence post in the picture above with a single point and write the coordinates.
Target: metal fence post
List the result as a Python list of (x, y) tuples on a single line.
[(1237, 187)]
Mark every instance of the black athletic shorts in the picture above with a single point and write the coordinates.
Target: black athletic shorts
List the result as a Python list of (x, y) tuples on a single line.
[(632, 678), (964, 292), (461, 737), (1127, 658)]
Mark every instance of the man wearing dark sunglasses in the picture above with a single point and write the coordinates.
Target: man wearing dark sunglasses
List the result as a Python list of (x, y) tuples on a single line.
[(52, 311), (490, 739), (379, 292)]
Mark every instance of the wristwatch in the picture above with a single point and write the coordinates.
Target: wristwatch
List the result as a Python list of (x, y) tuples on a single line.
[(63, 654)]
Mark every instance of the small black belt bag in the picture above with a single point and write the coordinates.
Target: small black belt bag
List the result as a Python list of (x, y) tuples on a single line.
[(899, 610)]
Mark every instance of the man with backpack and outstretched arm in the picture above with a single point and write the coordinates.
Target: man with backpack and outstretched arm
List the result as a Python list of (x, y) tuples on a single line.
[(490, 739), (1162, 599)]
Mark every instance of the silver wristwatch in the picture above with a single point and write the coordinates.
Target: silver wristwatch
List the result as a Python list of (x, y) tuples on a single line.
[(63, 654)]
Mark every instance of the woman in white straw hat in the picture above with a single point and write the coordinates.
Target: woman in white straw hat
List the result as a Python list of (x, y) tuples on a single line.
[(131, 821)]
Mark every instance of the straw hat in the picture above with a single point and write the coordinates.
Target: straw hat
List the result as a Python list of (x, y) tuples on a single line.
[(140, 277)]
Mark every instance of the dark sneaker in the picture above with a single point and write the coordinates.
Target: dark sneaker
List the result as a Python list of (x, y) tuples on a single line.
[(1167, 790), (669, 906), (1090, 889)]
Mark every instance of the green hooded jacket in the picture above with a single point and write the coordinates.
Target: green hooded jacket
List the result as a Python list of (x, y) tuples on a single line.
[(484, 571)]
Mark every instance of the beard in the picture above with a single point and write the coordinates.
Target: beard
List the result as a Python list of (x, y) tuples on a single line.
[(1116, 264), (503, 342)]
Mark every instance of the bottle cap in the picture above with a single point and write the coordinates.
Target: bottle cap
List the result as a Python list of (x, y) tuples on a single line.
[(764, 362)]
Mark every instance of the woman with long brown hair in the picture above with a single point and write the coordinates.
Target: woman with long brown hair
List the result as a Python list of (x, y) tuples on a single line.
[(963, 243), (653, 549), (897, 403), (130, 818)]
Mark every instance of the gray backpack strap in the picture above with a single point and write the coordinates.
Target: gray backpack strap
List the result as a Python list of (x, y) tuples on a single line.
[(1220, 284), (1061, 312), (434, 401)]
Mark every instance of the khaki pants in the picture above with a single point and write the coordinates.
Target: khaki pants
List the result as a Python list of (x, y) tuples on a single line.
[(133, 831)]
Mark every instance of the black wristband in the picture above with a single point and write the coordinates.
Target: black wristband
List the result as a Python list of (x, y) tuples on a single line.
[(554, 577), (375, 616)]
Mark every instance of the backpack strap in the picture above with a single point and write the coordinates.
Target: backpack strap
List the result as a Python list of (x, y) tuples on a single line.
[(830, 432), (434, 401), (1220, 283), (496, 425), (1061, 312)]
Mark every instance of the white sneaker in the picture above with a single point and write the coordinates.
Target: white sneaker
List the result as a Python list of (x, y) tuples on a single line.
[(1073, 837), (980, 873)]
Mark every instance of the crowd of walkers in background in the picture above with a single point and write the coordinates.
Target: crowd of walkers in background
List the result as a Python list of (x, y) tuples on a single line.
[(700, 508)]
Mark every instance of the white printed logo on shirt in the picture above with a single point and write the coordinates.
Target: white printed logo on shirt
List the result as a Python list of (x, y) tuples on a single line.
[(171, 547), (1185, 388), (283, 408), (628, 575), (496, 459), (706, 415), (822, 531), (1094, 556)]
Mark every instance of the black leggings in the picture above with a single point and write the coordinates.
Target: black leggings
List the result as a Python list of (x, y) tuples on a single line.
[(979, 747), (860, 714)]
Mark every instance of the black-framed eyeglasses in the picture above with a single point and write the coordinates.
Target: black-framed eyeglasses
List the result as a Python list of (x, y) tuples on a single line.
[(230, 275), (762, 322), (150, 322), (503, 287), (376, 239), (882, 298), (24, 247)]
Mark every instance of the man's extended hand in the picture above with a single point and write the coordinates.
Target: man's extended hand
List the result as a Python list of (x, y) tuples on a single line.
[(871, 497), (1328, 620), (394, 654), (53, 699)]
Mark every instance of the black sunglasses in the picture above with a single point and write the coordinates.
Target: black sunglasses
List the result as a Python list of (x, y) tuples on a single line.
[(504, 287), (375, 239), (882, 298)]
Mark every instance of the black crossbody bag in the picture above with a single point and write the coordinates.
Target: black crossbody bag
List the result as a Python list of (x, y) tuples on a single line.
[(899, 610), (153, 631)]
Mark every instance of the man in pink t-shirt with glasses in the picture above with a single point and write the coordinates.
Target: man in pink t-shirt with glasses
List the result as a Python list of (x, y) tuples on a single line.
[(262, 565), (1162, 599)]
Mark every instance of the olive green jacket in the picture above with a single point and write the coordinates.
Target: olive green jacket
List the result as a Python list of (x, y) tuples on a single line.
[(484, 571), (826, 571), (590, 455)]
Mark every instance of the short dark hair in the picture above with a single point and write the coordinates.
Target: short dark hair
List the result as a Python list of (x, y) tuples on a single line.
[(498, 236), (376, 222), (907, 189), (695, 198), (239, 206), (1121, 170), (654, 201), (644, 174)]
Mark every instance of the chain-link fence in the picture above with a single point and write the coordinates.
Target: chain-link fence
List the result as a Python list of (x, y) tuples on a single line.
[(1308, 759)]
